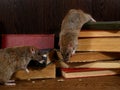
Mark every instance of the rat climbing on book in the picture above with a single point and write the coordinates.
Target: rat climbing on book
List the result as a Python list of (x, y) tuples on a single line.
[(70, 29)]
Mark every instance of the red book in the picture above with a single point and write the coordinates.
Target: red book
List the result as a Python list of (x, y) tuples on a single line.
[(88, 72), (41, 41)]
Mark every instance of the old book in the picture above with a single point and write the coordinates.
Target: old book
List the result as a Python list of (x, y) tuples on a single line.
[(99, 44), (87, 72), (40, 73), (96, 64), (41, 41), (93, 56), (99, 33), (111, 25)]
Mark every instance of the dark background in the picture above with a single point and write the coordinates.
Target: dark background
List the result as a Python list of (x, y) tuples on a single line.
[(45, 16)]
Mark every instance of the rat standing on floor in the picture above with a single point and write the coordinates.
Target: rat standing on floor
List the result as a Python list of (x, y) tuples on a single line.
[(70, 29), (14, 59)]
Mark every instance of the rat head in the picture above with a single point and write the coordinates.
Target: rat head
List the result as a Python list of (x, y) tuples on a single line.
[(35, 54), (68, 43), (67, 51), (38, 55)]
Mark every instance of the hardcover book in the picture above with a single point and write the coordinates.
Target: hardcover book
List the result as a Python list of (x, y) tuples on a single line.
[(94, 56), (87, 72), (99, 33), (96, 64), (41, 41), (99, 44)]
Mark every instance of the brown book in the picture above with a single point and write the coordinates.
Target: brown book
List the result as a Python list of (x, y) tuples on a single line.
[(99, 44), (99, 33), (93, 56), (87, 72), (96, 64), (47, 72)]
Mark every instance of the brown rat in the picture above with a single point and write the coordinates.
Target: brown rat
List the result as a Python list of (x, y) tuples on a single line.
[(70, 29), (16, 58)]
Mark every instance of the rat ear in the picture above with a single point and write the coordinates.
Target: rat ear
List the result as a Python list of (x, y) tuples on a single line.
[(92, 20), (32, 50)]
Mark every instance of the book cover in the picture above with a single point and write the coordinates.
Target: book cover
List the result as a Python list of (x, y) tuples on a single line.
[(99, 44), (111, 25), (113, 64), (87, 72), (99, 33), (94, 56), (41, 41)]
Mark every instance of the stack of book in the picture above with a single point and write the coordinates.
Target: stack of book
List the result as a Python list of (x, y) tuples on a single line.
[(98, 52)]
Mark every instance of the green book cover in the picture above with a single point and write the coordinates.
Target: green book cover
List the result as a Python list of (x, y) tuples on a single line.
[(111, 25)]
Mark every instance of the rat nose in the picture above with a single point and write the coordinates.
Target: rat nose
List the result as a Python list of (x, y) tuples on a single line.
[(66, 58)]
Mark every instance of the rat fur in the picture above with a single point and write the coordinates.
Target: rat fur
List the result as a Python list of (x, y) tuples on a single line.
[(16, 58), (70, 29)]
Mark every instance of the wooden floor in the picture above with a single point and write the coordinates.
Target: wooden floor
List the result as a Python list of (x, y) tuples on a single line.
[(93, 83)]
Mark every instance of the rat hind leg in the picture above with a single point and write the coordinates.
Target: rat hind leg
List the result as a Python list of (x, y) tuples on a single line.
[(10, 83)]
